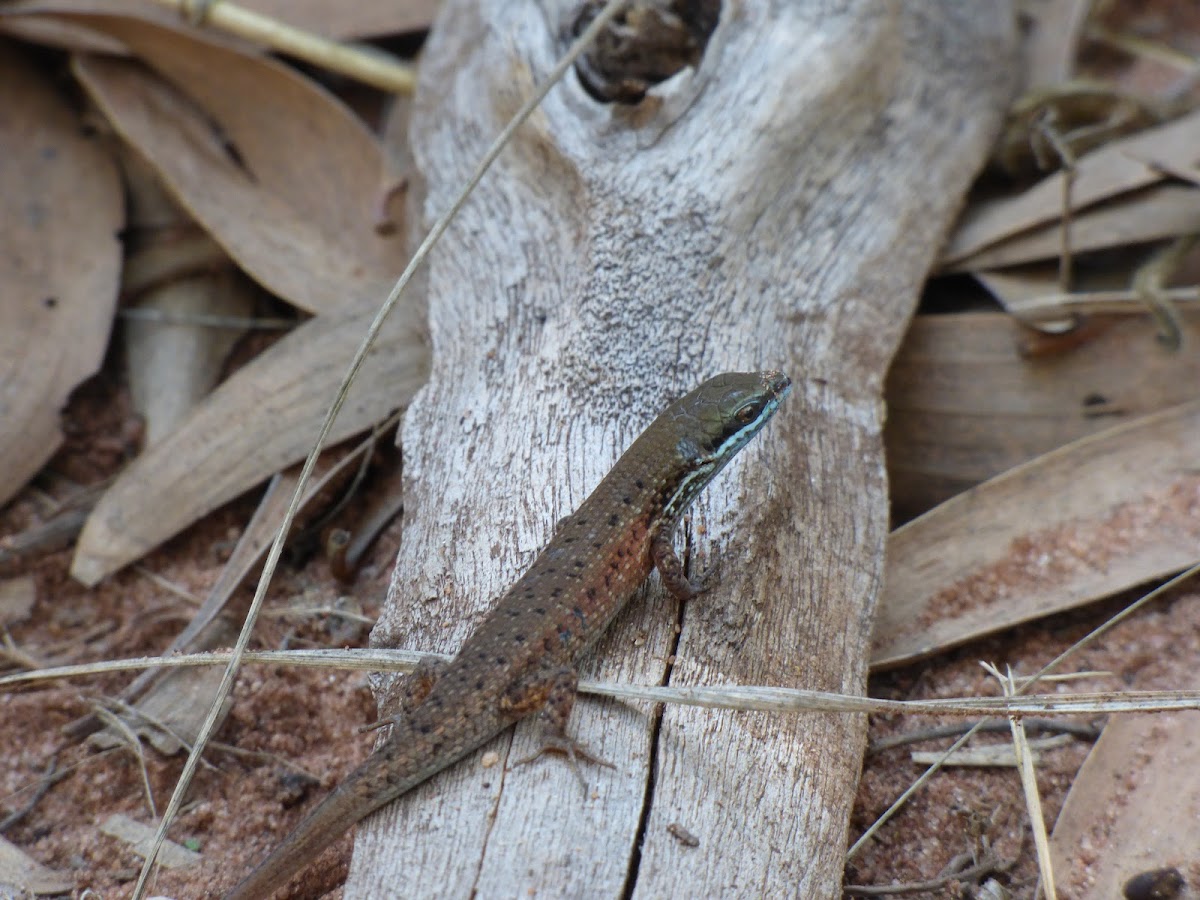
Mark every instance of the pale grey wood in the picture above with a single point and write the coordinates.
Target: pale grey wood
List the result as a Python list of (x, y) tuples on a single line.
[(778, 207)]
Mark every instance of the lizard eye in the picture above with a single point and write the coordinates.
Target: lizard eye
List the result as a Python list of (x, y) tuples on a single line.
[(747, 414)]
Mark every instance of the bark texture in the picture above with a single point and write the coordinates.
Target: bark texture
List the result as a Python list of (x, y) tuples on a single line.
[(778, 206)]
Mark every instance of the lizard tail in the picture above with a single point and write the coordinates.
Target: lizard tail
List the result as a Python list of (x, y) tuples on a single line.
[(381, 778)]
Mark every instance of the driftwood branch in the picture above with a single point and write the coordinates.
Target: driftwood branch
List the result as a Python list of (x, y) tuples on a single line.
[(777, 205)]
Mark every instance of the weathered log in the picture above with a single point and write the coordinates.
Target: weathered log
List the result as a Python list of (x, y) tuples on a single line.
[(776, 206)]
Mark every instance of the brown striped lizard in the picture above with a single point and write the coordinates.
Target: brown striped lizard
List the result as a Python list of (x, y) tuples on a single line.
[(520, 659)]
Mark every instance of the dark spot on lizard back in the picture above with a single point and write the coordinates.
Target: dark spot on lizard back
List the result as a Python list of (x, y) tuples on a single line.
[(519, 638), (614, 520), (540, 610), (639, 484), (501, 661), (591, 593), (626, 500), (598, 545), (579, 564)]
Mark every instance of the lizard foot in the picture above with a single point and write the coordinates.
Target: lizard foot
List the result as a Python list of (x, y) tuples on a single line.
[(572, 750)]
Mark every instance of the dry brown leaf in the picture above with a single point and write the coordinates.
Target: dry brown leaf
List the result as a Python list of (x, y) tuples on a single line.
[(967, 400), (1115, 169), (56, 33), (21, 873), (1087, 520), (27, 20), (260, 420), (1132, 807), (1137, 217), (139, 835), (17, 596), (351, 20), (334, 20), (279, 172), (60, 261), (1052, 40)]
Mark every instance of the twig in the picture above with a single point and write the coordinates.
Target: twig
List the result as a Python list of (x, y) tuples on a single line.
[(988, 864), (1084, 730)]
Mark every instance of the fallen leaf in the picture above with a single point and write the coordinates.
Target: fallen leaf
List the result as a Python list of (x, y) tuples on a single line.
[(17, 596), (22, 873), (36, 21), (1138, 217), (364, 18), (138, 836), (1052, 40), (278, 171), (1104, 174), (263, 418), (60, 262), (1132, 806), (1082, 522), (967, 400)]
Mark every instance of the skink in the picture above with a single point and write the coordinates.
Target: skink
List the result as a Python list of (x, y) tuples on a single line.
[(520, 659)]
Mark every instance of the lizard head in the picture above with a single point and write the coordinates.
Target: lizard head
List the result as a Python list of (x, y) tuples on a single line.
[(714, 422)]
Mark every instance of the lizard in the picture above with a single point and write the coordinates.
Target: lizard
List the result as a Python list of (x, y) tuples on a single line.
[(519, 660)]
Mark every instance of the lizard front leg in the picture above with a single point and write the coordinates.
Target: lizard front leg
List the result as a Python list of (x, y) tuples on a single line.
[(551, 693), (670, 569), (413, 691)]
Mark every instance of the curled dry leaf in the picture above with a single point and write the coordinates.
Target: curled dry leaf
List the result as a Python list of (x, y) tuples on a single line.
[(279, 172), (1077, 524), (286, 179), (60, 201)]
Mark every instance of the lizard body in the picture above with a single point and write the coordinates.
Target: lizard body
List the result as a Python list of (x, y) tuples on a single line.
[(519, 660)]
